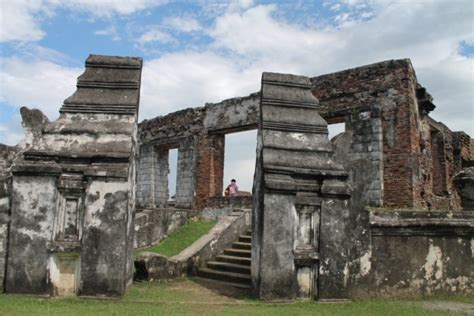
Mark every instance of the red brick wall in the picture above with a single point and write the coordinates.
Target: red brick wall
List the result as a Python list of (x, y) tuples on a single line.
[(463, 148), (439, 164), (391, 89), (388, 87), (399, 145), (209, 167), (439, 155)]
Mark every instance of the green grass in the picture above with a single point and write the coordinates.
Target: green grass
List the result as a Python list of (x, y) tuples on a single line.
[(185, 297), (181, 238)]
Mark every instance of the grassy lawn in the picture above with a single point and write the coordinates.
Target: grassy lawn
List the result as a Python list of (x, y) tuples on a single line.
[(181, 238), (187, 297)]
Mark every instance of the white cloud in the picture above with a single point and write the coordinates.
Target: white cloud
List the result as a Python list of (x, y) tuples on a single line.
[(38, 83), (155, 35), (451, 85), (12, 132), (255, 35), (183, 24), (110, 31), (189, 79), (107, 8), (19, 20)]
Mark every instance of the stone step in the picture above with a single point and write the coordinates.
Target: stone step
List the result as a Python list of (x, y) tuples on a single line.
[(230, 267), (241, 245), (234, 259), (224, 276), (244, 238), (238, 252), (237, 285), (248, 233)]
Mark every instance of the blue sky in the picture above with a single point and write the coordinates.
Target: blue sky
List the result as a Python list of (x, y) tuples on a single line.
[(205, 51)]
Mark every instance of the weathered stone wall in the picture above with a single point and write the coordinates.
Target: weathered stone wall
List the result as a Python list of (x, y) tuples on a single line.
[(463, 149), (5, 203), (32, 224), (7, 157), (152, 225), (464, 182), (73, 199), (234, 114), (471, 149), (359, 150), (145, 177), (439, 162), (420, 253), (185, 174), (224, 205)]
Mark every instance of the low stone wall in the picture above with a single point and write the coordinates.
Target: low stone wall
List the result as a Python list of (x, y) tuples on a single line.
[(152, 225), (416, 253), (153, 266), (224, 205)]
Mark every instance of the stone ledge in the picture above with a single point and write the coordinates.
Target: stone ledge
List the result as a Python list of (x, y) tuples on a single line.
[(422, 223)]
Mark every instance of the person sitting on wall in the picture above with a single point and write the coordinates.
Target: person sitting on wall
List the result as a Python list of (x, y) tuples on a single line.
[(232, 189)]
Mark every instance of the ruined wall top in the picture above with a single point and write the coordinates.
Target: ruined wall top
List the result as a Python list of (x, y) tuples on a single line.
[(97, 121), (110, 84), (338, 93), (240, 113), (361, 87)]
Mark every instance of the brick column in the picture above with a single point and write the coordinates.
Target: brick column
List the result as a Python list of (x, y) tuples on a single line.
[(210, 167), (401, 144)]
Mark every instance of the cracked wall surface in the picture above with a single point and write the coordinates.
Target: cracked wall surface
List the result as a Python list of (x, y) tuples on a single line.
[(421, 253), (72, 191)]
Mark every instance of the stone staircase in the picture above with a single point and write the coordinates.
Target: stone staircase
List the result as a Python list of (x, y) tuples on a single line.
[(232, 267)]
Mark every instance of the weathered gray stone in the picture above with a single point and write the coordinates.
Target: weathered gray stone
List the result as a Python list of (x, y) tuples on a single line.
[(298, 189), (152, 225), (419, 253), (73, 197), (465, 185)]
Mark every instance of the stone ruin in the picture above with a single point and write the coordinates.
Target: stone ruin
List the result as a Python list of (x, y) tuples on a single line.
[(384, 208), (71, 189)]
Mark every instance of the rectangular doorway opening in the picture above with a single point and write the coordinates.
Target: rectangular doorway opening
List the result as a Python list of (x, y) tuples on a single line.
[(239, 160), (172, 174)]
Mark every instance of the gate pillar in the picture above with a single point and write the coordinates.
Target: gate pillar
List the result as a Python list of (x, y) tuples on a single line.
[(300, 207)]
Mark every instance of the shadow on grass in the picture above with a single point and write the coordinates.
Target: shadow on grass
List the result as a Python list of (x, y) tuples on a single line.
[(224, 289)]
